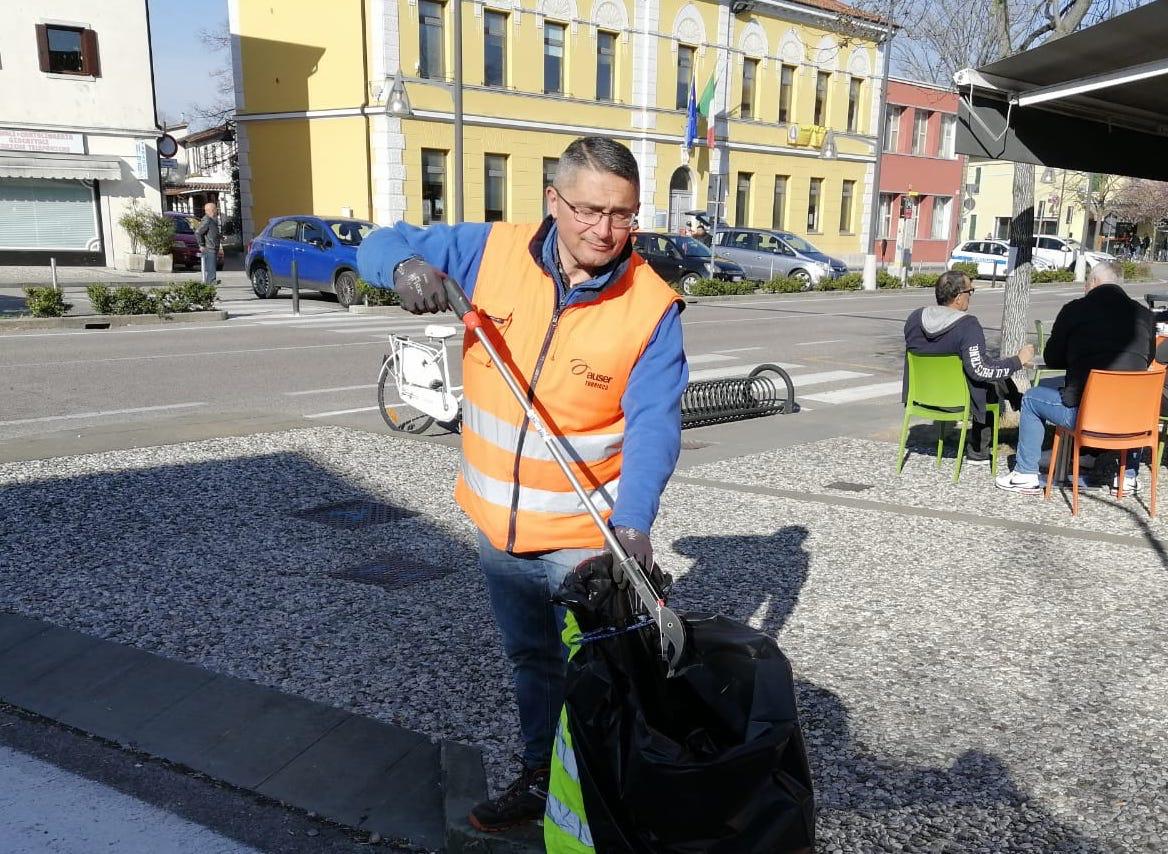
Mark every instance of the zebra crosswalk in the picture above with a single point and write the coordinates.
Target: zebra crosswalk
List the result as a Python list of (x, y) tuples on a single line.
[(816, 385)]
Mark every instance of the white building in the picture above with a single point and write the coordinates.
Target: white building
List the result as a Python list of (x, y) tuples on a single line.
[(201, 171), (78, 130)]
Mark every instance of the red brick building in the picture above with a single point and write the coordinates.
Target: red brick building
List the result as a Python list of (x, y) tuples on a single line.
[(919, 169)]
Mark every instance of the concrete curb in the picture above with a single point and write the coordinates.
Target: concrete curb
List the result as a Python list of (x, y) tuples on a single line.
[(464, 783), (106, 321), (352, 770)]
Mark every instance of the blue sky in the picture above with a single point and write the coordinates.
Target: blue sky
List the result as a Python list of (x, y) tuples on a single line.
[(182, 63)]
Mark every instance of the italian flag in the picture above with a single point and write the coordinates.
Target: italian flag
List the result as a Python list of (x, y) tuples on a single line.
[(705, 104)]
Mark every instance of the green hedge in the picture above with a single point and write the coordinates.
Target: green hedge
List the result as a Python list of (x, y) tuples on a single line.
[(969, 268), (783, 285), (718, 288), (885, 279), (170, 299), (1133, 271), (846, 282), (370, 295), (1042, 277), (46, 302), (922, 280)]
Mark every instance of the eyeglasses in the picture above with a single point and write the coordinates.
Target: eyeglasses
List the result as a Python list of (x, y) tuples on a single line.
[(587, 216), (966, 291)]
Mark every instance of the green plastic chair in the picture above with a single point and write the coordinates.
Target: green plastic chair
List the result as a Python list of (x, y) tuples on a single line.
[(937, 391), (1040, 345)]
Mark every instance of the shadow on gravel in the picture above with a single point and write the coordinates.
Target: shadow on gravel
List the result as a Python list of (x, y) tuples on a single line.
[(213, 561), (861, 797)]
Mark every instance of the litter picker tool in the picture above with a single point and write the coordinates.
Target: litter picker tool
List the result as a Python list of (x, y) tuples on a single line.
[(669, 625)]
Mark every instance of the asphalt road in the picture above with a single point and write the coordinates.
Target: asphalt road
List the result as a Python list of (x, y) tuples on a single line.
[(265, 368)]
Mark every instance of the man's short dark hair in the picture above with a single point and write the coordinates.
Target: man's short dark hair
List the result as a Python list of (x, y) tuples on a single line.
[(949, 286), (599, 154)]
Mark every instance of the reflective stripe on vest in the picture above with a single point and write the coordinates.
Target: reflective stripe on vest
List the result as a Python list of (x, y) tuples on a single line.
[(580, 448), (499, 492), (567, 821), (566, 755)]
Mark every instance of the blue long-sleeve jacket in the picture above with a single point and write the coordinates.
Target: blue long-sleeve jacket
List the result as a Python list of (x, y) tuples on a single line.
[(652, 399)]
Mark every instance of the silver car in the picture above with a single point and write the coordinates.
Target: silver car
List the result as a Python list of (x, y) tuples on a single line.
[(765, 253)]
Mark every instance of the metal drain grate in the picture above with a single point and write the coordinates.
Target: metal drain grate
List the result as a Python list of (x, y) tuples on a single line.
[(357, 513), (847, 486), (392, 575)]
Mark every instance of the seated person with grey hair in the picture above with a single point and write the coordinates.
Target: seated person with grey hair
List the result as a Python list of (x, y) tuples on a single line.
[(948, 328), (1105, 330)]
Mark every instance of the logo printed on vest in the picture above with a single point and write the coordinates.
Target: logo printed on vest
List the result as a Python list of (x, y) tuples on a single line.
[(591, 378)]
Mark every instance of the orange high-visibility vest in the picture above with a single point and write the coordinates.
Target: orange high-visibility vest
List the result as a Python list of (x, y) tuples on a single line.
[(579, 360)]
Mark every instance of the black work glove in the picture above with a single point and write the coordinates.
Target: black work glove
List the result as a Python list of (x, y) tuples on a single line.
[(420, 287), (636, 545)]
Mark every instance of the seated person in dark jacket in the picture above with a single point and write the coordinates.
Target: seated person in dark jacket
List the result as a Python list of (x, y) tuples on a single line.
[(1106, 329), (948, 329), (1162, 358)]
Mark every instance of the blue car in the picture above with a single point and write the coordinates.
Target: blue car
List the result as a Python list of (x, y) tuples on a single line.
[(324, 249)]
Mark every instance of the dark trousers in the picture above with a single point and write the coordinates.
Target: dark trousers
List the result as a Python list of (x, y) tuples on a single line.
[(981, 432)]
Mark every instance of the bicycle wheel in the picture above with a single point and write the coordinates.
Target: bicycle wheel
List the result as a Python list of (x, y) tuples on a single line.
[(399, 416)]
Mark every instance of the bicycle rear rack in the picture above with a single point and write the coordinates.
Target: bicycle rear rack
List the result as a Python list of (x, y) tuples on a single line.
[(767, 390)]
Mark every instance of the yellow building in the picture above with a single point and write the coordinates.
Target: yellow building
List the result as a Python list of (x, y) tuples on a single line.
[(796, 93), (1058, 201)]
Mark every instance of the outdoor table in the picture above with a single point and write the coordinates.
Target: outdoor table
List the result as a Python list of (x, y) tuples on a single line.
[(1152, 299)]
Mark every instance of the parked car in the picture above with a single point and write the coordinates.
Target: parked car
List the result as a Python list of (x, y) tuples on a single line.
[(324, 249), (185, 247), (1090, 256), (765, 253), (991, 257), (682, 260)]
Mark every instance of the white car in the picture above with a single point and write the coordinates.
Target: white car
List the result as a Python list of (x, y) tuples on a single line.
[(1092, 257), (991, 257)]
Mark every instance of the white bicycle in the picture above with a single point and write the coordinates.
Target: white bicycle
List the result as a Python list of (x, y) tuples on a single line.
[(414, 388)]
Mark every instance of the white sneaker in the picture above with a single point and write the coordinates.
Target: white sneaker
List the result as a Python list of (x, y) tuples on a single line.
[(1130, 484), (1026, 484)]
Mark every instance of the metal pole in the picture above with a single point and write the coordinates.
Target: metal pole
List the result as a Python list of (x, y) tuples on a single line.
[(881, 121), (714, 222), (458, 170), (295, 289), (53, 272)]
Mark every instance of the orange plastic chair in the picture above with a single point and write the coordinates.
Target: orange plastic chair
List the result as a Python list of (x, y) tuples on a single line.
[(1119, 410)]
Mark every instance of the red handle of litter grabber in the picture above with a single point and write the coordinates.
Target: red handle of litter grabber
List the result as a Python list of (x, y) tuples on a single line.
[(461, 305)]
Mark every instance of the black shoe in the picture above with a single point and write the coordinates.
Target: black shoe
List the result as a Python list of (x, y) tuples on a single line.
[(976, 458), (524, 800)]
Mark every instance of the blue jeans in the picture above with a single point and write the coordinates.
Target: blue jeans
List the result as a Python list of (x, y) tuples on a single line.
[(207, 260), (1044, 405), (521, 587)]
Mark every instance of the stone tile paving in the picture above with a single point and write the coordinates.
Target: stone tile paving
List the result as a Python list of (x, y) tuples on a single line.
[(813, 466), (963, 688)]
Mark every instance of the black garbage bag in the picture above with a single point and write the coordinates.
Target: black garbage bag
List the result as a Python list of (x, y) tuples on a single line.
[(711, 760)]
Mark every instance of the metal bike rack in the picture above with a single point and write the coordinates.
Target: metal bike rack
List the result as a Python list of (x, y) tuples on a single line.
[(767, 390)]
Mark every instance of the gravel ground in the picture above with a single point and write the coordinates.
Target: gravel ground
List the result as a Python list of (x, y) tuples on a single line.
[(811, 467), (963, 688)]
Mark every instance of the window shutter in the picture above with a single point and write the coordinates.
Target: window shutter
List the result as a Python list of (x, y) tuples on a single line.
[(42, 38), (89, 56)]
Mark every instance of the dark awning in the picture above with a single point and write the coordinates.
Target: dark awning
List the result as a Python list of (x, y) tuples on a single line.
[(1095, 100)]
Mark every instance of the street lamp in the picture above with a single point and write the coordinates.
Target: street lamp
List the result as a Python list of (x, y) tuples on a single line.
[(397, 104)]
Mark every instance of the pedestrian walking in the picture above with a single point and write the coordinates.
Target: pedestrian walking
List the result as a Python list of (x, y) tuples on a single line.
[(597, 336), (208, 238)]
